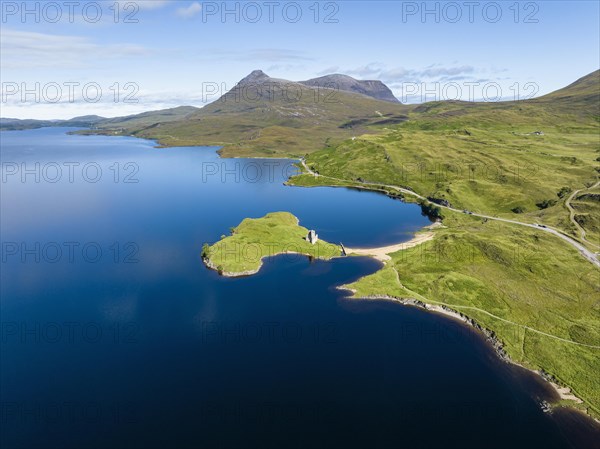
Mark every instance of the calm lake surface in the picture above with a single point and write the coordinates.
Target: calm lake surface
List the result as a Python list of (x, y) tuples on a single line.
[(114, 334)]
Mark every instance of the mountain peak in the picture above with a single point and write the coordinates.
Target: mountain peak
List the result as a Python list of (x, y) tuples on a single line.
[(256, 76), (371, 88)]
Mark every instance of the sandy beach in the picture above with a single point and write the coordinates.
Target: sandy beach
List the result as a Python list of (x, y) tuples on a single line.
[(382, 253)]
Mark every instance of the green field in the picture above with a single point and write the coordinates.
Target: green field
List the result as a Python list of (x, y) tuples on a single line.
[(242, 252), (497, 169)]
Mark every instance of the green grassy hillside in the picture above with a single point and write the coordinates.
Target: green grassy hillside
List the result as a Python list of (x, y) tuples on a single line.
[(539, 297), (580, 97), (515, 159), (519, 160)]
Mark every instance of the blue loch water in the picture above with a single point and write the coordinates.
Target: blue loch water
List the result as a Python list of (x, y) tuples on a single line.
[(114, 334)]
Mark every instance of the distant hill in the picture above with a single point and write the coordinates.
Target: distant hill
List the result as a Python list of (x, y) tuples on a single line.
[(583, 93), (372, 88), (586, 87), (579, 100), (87, 118), (12, 124), (266, 116), (97, 122), (336, 82), (146, 119)]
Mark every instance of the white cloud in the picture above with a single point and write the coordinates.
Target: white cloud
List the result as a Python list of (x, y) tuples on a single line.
[(329, 70), (143, 100), (189, 12), (25, 49), (369, 70), (285, 68), (273, 55), (65, 111), (381, 72), (437, 71)]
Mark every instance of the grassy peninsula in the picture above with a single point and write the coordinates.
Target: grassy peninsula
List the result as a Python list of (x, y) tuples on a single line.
[(241, 253)]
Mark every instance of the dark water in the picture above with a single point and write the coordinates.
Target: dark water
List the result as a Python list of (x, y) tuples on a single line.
[(115, 335)]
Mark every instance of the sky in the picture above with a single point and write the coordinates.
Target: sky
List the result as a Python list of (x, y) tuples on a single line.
[(61, 59)]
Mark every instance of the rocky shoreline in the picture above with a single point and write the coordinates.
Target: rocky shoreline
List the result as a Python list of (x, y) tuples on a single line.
[(229, 274), (563, 392)]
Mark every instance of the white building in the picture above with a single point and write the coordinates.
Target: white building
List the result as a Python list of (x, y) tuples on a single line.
[(312, 237)]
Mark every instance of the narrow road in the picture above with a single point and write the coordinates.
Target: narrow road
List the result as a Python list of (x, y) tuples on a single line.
[(589, 255), (572, 214)]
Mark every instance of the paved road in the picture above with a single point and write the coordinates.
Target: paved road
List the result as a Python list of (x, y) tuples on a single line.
[(589, 255)]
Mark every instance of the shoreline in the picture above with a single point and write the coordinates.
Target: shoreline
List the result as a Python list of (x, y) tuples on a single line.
[(563, 392), (405, 199), (381, 253), (232, 274)]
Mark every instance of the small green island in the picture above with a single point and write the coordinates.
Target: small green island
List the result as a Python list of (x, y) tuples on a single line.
[(241, 253)]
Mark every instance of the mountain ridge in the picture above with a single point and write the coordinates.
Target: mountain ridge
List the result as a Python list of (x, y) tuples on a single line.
[(338, 82), (586, 87), (371, 88), (264, 116)]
